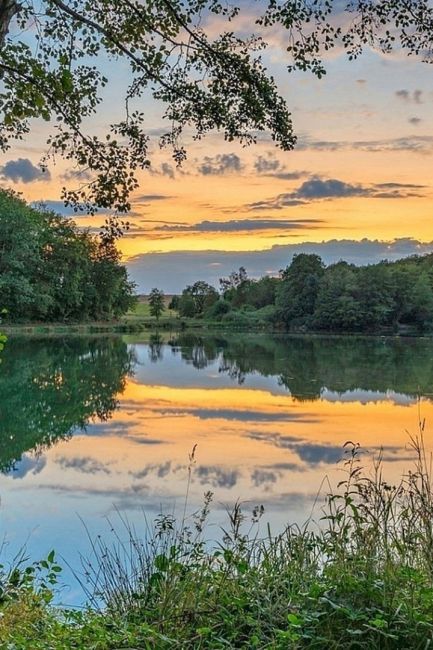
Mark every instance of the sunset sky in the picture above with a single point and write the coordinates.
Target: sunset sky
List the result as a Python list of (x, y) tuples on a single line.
[(361, 171)]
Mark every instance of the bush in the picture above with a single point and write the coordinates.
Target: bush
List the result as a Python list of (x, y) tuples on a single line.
[(218, 310)]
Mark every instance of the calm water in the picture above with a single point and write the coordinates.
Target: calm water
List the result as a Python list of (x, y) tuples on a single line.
[(88, 426)]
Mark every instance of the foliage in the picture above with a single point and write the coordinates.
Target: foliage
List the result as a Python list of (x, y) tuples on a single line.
[(54, 65), (297, 293), (156, 303), (306, 366), (50, 389), (362, 579), (50, 270), (196, 299), (338, 298)]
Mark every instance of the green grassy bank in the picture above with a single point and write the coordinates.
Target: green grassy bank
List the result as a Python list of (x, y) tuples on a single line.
[(363, 578), (139, 319)]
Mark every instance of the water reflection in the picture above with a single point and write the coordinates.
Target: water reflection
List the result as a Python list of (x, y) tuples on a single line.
[(306, 366), (51, 389), (90, 425)]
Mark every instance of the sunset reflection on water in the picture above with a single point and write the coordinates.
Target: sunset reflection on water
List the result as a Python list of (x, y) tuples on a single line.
[(269, 418)]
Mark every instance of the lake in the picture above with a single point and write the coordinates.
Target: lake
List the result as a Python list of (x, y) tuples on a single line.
[(92, 427)]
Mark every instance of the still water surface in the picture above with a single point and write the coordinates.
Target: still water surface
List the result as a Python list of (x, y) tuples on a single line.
[(89, 426)]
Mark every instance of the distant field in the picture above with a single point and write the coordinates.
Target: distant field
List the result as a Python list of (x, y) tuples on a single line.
[(142, 309)]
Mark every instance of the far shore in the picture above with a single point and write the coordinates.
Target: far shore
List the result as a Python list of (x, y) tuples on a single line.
[(176, 324)]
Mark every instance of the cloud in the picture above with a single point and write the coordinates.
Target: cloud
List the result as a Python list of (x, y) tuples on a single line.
[(270, 166), (241, 225), (23, 170), (217, 477), (418, 144), (316, 189), (84, 464), (309, 452), (149, 198), (403, 94), (77, 175), (266, 164), (221, 164), (174, 270), (261, 477), (246, 416), (164, 170), (289, 176), (326, 189), (414, 97), (278, 203), (28, 465), (160, 470)]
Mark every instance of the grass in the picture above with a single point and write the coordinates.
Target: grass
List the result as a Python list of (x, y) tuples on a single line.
[(362, 579)]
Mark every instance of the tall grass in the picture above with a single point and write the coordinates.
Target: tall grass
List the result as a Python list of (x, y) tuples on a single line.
[(361, 576)]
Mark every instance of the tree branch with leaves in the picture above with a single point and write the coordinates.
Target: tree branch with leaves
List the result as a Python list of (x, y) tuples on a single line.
[(54, 58)]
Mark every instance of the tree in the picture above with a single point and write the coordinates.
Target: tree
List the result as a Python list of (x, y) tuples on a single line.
[(50, 270), (297, 294), (196, 298), (54, 53), (156, 303), (336, 306), (235, 280)]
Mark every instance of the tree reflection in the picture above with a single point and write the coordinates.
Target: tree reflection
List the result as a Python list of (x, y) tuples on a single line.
[(155, 348), (308, 365), (52, 388)]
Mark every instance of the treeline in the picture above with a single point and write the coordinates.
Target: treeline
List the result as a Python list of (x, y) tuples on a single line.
[(310, 296), (50, 270)]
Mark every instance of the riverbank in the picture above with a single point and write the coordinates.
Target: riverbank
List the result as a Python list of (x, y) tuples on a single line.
[(362, 579), (139, 319), (177, 325)]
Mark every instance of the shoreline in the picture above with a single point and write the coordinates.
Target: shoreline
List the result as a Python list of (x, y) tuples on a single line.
[(177, 325)]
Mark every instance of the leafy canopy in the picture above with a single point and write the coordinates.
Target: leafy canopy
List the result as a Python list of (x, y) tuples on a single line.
[(55, 54), (50, 270), (156, 303)]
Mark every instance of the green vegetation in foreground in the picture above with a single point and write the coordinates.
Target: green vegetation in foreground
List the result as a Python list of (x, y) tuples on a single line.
[(389, 296), (53, 271), (364, 579)]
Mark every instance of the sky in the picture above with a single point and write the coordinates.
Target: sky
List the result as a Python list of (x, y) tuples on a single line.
[(357, 186)]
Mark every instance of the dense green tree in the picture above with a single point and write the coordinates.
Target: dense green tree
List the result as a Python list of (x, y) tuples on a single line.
[(186, 305), (374, 291), (53, 62), (196, 298), (261, 293), (50, 270), (240, 290), (422, 301), (337, 307), (297, 293), (174, 303), (341, 297), (218, 309), (156, 303)]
